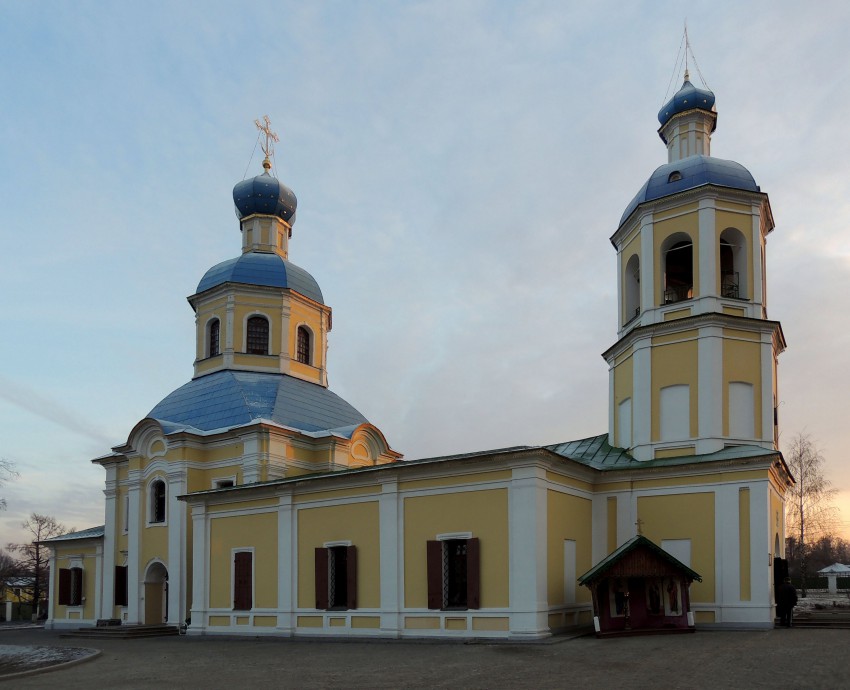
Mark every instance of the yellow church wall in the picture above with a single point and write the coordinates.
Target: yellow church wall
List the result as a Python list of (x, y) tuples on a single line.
[(484, 513), (742, 222), (336, 494), (568, 481), (684, 516), (673, 364), (437, 482), (241, 504), (243, 531), (677, 314), (256, 305), (741, 363), (684, 219), (86, 556), (777, 523), (744, 543), (568, 517), (611, 526), (734, 311), (354, 522), (154, 544), (623, 389)]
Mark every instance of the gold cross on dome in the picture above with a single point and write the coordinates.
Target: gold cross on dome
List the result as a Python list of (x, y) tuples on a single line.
[(266, 128)]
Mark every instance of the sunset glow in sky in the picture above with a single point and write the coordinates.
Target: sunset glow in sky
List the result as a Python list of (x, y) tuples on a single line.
[(459, 168)]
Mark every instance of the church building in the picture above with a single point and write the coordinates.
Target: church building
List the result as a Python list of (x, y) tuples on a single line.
[(253, 500)]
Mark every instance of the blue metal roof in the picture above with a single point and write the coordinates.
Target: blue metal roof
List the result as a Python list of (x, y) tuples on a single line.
[(90, 533), (686, 98), (260, 268), (695, 171), (226, 399), (267, 195)]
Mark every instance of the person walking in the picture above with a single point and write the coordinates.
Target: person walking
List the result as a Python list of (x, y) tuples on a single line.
[(786, 599)]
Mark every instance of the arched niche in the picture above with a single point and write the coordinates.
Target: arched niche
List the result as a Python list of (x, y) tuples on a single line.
[(631, 289), (677, 268)]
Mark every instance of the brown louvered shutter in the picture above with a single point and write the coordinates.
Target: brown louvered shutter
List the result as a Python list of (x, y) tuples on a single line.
[(120, 585), (473, 573), (321, 578), (76, 586), (435, 574), (242, 580), (351, 576), (64, 586)]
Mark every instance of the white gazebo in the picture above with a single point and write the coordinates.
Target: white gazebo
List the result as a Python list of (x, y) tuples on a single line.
[(833, 572)]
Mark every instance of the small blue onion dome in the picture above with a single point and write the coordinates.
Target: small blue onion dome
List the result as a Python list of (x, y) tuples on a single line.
[(265, 269), (266, 195), (686, 98)]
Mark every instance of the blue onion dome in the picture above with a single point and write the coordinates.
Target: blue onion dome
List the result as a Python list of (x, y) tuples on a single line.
[(266, 195), (265, 269), (689, 173), (686, 98)]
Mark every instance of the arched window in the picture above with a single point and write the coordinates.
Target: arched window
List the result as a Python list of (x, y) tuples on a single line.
[(258, 336), (733, 264), (302, 345), (157, 497), (213, 338), (631, 289), (677, 255)]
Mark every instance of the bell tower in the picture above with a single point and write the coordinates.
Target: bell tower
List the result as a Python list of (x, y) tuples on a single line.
[(694, 368)]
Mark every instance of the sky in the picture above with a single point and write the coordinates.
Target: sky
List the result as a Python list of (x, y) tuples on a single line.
[(459, 168)]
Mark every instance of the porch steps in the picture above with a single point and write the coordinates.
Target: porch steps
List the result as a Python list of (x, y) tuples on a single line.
[(124, 632), (836, 620)]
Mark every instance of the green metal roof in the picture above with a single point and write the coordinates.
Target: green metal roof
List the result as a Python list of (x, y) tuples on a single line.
[(629, 546), (597, 453)]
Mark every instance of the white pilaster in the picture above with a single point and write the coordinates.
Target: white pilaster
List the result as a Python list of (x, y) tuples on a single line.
[(134, 528), (620, 319), (647, 268), (759, 247), (707, 248), (528, 562), (761, 549), (111, 520), (391, 556), (177, 524), (611, 404), (200, 565)]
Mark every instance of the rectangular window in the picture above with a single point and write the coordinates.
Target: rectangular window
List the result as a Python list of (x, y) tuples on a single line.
[(243, 580), (70, 586), (126, 520), (453, 574), (121, 585), (336, 577)]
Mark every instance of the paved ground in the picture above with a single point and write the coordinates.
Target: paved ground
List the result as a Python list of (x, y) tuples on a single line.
[(795, 658)]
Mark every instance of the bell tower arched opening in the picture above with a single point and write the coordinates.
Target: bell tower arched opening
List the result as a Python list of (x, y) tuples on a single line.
[(733, 264), (631, 289), (677, 260)]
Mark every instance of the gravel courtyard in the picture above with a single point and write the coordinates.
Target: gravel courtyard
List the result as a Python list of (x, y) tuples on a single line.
[(796, 658)]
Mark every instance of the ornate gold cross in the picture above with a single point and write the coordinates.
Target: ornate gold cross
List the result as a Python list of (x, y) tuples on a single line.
[(266, 128)]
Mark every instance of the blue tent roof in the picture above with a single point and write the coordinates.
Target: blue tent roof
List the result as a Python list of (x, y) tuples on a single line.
[(226, 399), (260, 268), (693, 171)]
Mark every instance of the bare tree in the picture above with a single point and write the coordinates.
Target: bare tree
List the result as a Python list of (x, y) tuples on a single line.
[(810, 514), (7, 473), (33, 556)]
